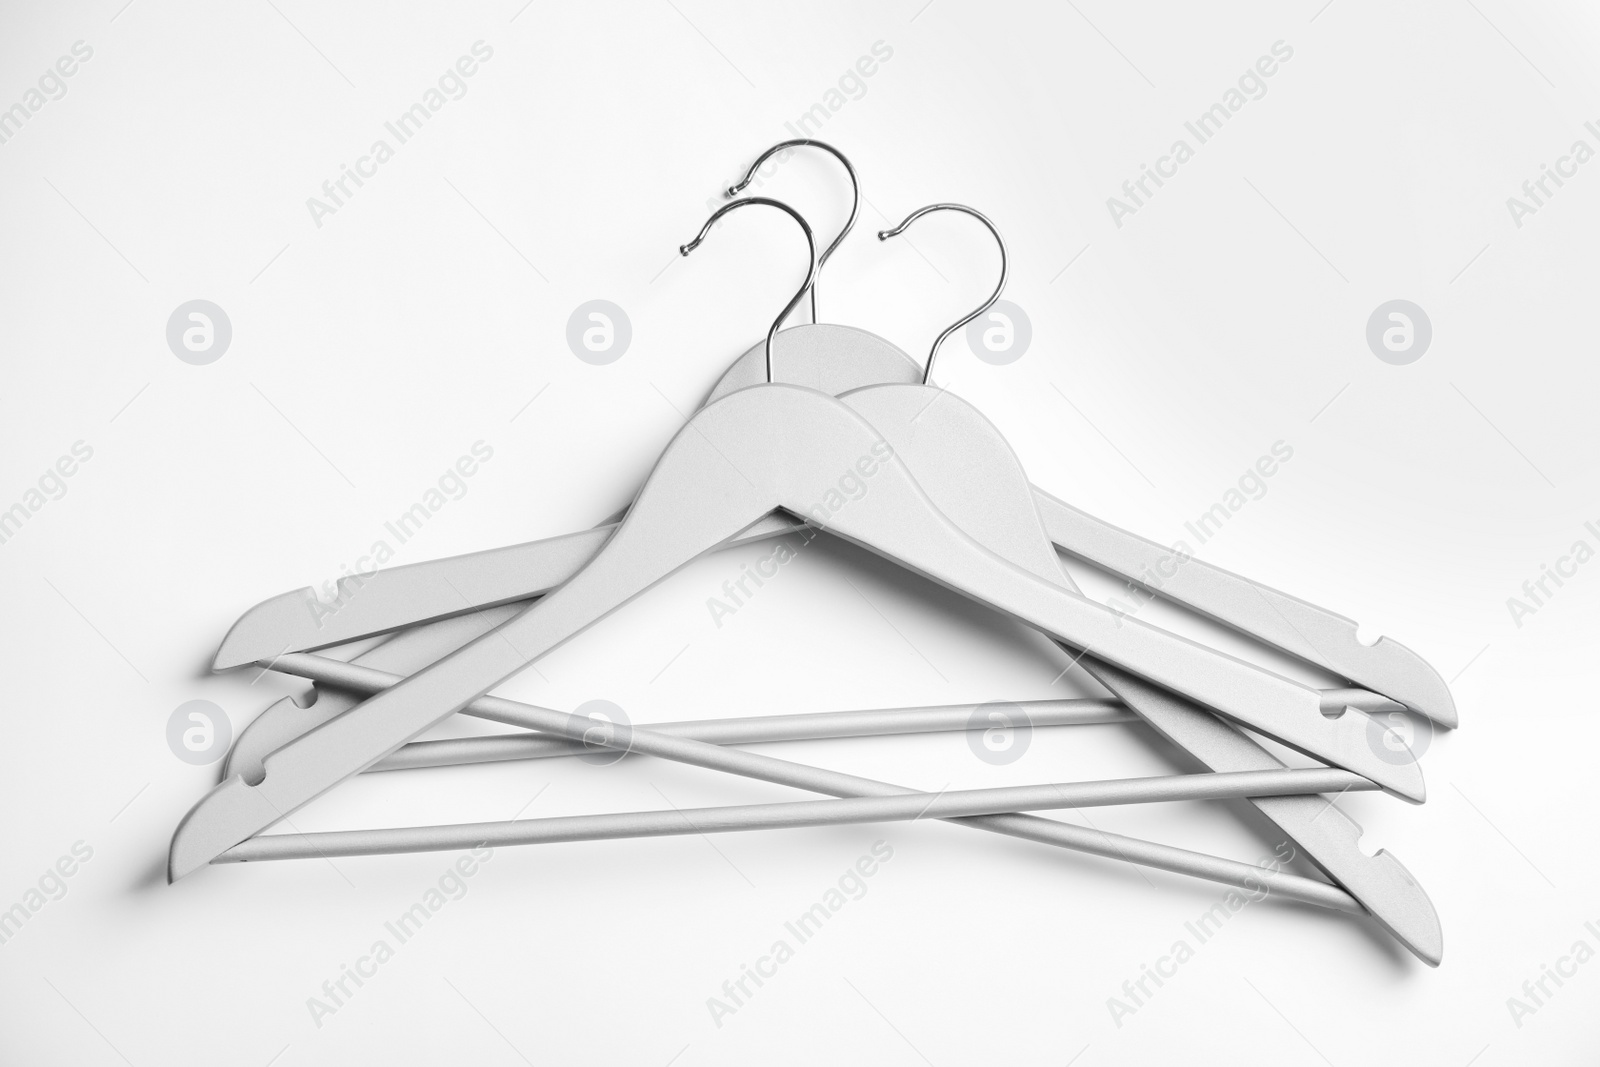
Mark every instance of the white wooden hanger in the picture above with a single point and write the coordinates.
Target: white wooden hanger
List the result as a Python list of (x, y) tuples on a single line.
[(1390, 895), (766, 447), (835, 359), (841, 356)]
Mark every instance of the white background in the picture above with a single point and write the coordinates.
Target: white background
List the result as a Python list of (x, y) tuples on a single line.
[(1167, 355)]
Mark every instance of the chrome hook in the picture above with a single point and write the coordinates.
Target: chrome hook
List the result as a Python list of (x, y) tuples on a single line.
[(811, 252), (855, 195), (884, 235)]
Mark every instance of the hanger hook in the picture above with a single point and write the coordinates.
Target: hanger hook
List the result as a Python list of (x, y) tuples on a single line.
[(811, 252), (855, 195), (884, 235)]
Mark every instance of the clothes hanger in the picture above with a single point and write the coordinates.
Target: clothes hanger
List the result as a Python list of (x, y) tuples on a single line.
[(1333, 842), (415, 593), (571, 832), (632, 824), (747, 817), (833, 358), (881, 807), (792, 441), (1323, 832), (190, 842), (418, 593)]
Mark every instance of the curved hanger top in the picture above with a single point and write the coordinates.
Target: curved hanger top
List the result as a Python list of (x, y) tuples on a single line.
[(884, 235), (855, 194), (811, 252)]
